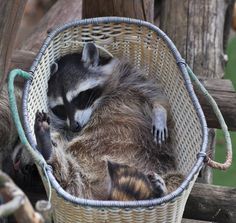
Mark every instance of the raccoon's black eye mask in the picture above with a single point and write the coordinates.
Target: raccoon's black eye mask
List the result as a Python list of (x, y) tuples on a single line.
[(86, 98), (60, 111)]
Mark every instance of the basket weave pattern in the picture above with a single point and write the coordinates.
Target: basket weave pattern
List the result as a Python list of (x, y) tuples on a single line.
[(147, 50)]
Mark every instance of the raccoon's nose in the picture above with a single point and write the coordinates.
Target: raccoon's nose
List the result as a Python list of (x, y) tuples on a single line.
[(75, 127)]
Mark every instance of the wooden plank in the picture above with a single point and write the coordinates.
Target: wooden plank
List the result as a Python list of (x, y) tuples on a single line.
[(219, 84), (11, 13), (139, 9), (61, 12), (234, 17), (211, 203), (22, 59), (225, 96)]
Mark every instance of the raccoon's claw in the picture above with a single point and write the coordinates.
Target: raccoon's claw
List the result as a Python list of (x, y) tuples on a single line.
[(159, 125), (160, 135), (158, 184), (42, 122), (41, 117), (42, 134)]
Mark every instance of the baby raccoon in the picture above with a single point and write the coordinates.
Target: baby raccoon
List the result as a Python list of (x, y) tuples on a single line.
[(102, 108), (128, 184)]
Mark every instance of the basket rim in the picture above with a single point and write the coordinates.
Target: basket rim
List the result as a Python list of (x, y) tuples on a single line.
[(182, 66)]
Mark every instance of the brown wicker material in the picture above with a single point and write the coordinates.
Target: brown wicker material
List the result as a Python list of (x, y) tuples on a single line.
[(147, 47)]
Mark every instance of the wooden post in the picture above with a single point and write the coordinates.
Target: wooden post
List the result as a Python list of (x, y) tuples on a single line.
[(11, 13), (234, 18), (211, 203), (139, 9), (197, 29)]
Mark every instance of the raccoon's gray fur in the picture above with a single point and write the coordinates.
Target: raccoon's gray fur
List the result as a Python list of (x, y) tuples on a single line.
[(126, 109), (8, 133), (12, 153)]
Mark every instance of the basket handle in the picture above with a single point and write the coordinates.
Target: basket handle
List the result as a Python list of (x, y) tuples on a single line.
[(37, 157), (15, 114), (229, 155)]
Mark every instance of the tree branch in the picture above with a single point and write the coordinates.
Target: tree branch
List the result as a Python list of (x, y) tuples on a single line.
[(16, 202)]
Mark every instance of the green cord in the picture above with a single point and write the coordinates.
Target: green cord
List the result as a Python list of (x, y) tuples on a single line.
[(15, 114), (38, 158), (215, 109), (13, 105), (49, 184)]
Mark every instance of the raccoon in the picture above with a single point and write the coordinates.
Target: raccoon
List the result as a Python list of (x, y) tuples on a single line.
[(102, 107), (9, 141), (14, 160), (9, 137)]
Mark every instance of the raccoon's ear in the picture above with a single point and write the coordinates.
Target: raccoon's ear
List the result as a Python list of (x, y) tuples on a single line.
[(54, 68), (113, 168), (90, 54)]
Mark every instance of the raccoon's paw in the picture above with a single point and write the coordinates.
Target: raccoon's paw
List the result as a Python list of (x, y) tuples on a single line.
[(158, 184), (42, 123), (159, 124), (42, 134)]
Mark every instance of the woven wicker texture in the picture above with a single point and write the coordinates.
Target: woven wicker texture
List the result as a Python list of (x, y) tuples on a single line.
[(148, 51), (65, 211)]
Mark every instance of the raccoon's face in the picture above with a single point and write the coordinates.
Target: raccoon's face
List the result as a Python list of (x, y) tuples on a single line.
[(76, 87)]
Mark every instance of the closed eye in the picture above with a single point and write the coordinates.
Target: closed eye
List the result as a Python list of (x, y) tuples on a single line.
[(86, 98), (60, 112)]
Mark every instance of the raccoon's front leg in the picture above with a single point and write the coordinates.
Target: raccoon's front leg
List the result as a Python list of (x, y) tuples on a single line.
[(42, 134), (159, 123), (65, 167)]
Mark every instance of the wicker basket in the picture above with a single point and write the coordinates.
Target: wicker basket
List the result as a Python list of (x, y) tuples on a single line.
[(150, 49)]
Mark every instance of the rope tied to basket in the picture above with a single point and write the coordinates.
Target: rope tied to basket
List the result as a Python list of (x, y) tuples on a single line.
[(208, 160), (37, 157)]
